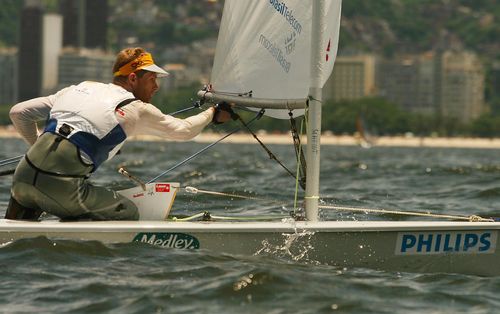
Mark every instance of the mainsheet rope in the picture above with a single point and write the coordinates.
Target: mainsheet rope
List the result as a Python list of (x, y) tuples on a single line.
[(207, 216), (194, 190), (471, 218)]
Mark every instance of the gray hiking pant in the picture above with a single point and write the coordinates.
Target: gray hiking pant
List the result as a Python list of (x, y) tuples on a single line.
[(52, 177)]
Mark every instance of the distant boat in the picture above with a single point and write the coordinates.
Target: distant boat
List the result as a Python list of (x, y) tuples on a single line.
[(364, 138)]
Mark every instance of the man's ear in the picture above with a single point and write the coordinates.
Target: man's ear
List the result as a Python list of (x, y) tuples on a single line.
[(132, 77)]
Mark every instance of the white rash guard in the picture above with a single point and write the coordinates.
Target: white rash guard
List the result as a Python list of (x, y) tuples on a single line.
[(136, 118)]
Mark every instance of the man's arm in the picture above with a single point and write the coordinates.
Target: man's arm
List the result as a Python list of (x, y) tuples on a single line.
[(26, 114), (145, 119)]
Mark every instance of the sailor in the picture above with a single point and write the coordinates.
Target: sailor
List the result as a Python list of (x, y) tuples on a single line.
[(87, 124)]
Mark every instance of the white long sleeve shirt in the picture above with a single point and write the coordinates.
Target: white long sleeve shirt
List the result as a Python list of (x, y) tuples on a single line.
[(136, 118)]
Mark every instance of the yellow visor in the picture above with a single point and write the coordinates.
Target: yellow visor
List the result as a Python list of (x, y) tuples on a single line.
[(142, 62)]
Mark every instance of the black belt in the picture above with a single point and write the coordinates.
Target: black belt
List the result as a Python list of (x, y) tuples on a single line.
[(55, 174)]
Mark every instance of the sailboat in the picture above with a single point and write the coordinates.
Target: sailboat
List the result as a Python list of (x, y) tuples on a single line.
[(275, 56), (363, 137)]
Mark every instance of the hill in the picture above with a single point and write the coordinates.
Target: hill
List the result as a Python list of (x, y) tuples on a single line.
[(383, 26)]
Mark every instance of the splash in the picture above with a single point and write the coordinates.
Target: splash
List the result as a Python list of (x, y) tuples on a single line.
[(295, 246)]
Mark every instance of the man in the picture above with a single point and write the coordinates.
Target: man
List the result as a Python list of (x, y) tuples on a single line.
[(87, 124)]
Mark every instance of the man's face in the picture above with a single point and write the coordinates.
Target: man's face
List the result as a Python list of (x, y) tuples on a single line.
[(145, 86)]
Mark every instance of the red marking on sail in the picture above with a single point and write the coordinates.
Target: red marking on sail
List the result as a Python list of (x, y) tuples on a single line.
[(327, 50)]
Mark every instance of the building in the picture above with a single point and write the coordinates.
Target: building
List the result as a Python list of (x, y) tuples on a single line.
[(51, 47), (200, 58), (353, 77), (180, 76), (495, 80), (8, 76), (77, 65), (39, 47), (448, 84), (96, 24), (30, 50), (462, 86), (85, 23), (176, 76), (69, 11), (409, 81)]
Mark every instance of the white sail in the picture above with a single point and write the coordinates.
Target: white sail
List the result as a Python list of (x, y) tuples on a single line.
[(264, 46)]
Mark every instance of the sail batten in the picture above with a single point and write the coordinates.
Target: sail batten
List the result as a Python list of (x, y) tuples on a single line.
[(265, 47)]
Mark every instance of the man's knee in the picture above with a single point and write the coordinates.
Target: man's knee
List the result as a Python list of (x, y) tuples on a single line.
[(127, 210)]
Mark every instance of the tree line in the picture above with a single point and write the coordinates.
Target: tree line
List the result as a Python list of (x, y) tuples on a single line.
[(379, 117)]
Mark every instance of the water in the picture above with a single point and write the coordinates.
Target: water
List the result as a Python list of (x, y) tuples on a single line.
[(46, 276)]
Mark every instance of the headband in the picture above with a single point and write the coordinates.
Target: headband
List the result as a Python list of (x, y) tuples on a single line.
[(142, 61)]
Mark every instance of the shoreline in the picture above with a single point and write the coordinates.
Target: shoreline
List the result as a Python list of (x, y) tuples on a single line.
[(350, 140), (326, 139)]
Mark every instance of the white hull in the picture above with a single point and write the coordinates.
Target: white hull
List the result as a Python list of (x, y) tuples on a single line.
[(450, 247)]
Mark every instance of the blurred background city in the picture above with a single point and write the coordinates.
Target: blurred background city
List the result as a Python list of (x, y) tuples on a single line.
[(417, 67)]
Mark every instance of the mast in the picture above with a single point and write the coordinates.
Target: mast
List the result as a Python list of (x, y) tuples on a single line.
[(314, 111)]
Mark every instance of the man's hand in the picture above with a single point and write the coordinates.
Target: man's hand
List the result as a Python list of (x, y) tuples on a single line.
[(223, 112)]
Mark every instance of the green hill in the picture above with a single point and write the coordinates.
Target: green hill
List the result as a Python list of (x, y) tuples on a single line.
[(384, 26)]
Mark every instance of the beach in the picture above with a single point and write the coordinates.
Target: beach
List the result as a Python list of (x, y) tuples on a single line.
[(326, 139)]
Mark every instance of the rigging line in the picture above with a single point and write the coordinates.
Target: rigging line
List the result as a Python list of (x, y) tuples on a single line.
[(269, 152), (472, 218), (258, 116), (248, 94), (194, 190), (299, 167), (11, 160), (251, 218), (312, 98), (7, 172), (208, 216), (196, 104), (299, 153), (187, 218)]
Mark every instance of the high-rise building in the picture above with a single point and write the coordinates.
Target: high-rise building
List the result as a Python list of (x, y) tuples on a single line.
[(495, 80), (77, 65), (51, 47), (462, 86), (85, 23), (30, 50), (69, 11), (8, 76), (409, 82), (96, 23), (449, 84), (353, 77), (40, 43)]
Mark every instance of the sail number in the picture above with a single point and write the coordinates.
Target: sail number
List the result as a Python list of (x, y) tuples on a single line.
[(452, 242)]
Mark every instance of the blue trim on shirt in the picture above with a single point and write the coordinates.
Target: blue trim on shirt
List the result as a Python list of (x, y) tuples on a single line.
[(97, 149)]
